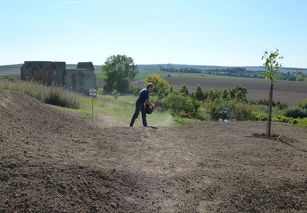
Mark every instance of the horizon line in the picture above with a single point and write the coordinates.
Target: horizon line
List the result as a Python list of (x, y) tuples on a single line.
[(152, 64)]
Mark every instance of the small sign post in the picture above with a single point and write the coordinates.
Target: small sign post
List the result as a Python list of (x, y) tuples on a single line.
[(92, 93)]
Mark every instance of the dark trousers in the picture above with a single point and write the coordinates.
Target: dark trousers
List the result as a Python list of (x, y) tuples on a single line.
[(139, 107)]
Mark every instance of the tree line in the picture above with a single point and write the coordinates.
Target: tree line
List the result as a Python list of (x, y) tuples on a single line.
[(236, 72)]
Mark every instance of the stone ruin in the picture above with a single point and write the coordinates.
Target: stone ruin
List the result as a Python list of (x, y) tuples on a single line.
[(79, 79)]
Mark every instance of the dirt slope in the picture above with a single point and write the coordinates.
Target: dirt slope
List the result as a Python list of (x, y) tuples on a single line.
[(52, 161)]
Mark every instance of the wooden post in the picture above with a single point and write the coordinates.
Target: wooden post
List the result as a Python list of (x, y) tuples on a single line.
[(92, 93), (92, 108), (269, 122)]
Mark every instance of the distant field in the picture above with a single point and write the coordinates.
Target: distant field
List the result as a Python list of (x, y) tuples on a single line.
[(147, 71), (9, 76), (10, 69), (289, 92)]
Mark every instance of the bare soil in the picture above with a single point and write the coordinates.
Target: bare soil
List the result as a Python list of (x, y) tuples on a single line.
[(53, 161)]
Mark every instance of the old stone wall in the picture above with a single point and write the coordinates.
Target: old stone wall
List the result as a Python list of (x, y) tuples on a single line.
[(49, 73), (45, 72), (80, 80)]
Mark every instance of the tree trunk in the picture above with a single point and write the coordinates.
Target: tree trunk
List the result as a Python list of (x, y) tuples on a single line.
[(268, 126)]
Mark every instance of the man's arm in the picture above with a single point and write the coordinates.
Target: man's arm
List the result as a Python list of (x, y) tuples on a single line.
[(150, 104)]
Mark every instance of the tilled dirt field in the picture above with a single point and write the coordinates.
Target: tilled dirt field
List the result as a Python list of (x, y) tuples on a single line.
[(53, 161)]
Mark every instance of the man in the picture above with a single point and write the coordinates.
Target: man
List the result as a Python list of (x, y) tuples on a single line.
[(143, 100)]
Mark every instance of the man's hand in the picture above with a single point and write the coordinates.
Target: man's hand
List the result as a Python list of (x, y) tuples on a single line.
[(150, 104)]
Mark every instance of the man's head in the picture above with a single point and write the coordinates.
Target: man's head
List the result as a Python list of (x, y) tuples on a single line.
[(150, 87)]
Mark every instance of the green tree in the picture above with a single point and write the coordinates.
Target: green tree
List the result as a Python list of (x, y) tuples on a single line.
[(224, 95), (239, 93), (199, 94), (240, 96), (299, 76), (287, 76), (184, 90), (213, 94), (272, 65), (119, 70)]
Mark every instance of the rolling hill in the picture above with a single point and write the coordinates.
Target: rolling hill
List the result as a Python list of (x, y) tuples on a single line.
[(15, 68), (209, 67)]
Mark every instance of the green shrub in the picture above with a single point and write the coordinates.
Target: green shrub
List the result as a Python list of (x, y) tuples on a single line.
[(182, 105), (179, 105), (276, 118), (302, 122), (159, 102), (296, 113), (280, 118), (259, 116), (265, 102), (229, 110), (218, 110), (243, 111), (161, 85)]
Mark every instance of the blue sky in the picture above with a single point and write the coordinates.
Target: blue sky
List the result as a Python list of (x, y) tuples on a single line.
[(208, 32)]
